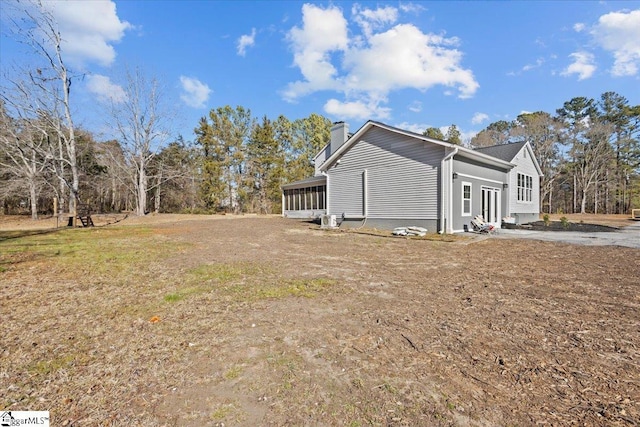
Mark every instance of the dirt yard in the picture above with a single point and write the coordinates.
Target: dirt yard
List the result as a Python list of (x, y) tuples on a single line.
[(191, 321)]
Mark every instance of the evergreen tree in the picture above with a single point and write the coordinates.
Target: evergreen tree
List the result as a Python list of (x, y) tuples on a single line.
[(265, 158), (309, 135), (434, 133), (453, 135), (223, 138), (495, 134)]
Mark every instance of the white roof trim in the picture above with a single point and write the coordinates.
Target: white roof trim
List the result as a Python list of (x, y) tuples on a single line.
[(533, 157)]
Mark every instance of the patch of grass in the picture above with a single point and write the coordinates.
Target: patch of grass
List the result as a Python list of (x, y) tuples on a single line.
[(46, 367), (222, 412), (389, 388), (173, 297), (218, 273), (307, 288), (233, 373), (119, 252), (247, 282)]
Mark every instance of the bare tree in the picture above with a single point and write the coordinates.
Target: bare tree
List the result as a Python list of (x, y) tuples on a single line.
[(46, 93), (592, 157), (21, 145), (139, 121), (117, 176), (543, 132)]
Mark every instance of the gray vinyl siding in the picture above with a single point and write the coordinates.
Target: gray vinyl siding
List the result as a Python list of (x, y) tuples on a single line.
[(478, 176), (524, 165), (469, 167), (320, 158), (402, 178)]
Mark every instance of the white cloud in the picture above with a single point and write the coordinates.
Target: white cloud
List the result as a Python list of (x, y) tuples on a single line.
[(195, 93), (479, 118), (466, 136), (366, 67), (537, 64), (416, 106), (89, 28), (370, 19), (527, 67), (578, 27), (323, 31), (413, 127), (619, 33), (405, 57), (105, 90), (246, 40), (411, 8), (356, 110), (582, 65)]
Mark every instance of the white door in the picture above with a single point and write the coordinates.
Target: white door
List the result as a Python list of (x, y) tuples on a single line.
[(491, 205)]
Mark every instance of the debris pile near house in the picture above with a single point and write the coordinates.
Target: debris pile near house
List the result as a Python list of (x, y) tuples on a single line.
[(409, 231)]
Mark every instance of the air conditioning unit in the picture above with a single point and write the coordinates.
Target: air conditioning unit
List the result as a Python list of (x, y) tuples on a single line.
[(328, 221)]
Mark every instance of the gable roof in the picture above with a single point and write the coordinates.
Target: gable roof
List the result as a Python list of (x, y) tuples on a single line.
[(463, 151), (506, 152)]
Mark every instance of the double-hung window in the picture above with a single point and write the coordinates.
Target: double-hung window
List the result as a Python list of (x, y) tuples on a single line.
[(525, 188), (466, 199)]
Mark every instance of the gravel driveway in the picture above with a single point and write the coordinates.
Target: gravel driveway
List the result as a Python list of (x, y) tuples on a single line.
[(628, 236)]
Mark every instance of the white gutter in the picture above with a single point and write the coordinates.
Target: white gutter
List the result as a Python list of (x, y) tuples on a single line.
[(442, 179)]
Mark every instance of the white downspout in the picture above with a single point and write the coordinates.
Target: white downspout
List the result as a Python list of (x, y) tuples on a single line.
[(449, 177), (326, 192)]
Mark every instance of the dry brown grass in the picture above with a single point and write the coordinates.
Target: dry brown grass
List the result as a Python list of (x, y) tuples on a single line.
[(612, 220), (173, 320)]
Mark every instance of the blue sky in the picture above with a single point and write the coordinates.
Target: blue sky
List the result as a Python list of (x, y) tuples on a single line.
[(408, 64)]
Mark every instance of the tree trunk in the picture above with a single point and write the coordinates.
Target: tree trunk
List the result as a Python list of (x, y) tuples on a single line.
[(114, 190), (157, 194), (33, 195), (575, 194), (142, 192), (61, 182)]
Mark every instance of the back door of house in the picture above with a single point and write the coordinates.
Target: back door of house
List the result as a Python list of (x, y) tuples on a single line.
[(491, 205)]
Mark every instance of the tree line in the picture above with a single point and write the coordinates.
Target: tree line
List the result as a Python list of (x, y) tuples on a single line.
[(589, 150), (236, 163), (589, 153)]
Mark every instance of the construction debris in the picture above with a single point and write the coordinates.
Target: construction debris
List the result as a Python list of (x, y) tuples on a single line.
[(409, 231)]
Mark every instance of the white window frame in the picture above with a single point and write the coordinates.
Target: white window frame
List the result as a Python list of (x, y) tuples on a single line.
[(464, 184), (524, 188)]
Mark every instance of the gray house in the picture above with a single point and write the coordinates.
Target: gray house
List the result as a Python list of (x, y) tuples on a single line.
[(385, 177)]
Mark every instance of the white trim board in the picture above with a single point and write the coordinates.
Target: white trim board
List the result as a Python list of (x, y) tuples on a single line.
[(464, 175)]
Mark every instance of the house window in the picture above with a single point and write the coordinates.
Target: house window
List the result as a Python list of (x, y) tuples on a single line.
[(466, 199), (525, 188)]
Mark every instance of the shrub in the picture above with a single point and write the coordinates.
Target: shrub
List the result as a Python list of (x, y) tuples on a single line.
[(565, 222), (546, 220)]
